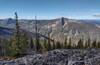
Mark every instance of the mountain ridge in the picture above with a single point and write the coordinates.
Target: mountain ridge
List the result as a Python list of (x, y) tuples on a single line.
[(59, 28)]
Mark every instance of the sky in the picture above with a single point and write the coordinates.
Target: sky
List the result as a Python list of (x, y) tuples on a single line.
[(50, 9)]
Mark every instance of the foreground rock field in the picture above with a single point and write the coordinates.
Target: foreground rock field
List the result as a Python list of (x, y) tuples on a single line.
[(59, 57)]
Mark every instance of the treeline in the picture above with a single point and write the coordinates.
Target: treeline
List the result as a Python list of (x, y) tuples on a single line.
[(20, 43)]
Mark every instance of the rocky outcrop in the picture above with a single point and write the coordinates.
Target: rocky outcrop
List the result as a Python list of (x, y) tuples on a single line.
[(59, 57)]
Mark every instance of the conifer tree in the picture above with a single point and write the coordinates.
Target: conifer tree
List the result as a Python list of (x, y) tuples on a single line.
[(17, 30), (45, 45), (94, 44), (89, 42), (15, 41), (69, 44), (53, 45), (38, 45), (65, 43), (2, 47), (37, 39), (98, 44), (80, 44), (31, 45), (19, 42), (49, 40), (48, 46), (58, 45), (86, 45)]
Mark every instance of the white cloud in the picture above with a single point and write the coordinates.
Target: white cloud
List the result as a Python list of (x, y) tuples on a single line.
[(97, 15)]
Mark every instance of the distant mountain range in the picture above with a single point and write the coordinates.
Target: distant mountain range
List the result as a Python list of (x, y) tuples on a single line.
[(57, 28), (6, 32)]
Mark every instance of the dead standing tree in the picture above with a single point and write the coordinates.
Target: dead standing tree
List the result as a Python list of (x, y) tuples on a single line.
[(37, 40), (17, 30)]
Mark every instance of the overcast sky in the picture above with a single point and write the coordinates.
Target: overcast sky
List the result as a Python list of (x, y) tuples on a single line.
[(49, 9)]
